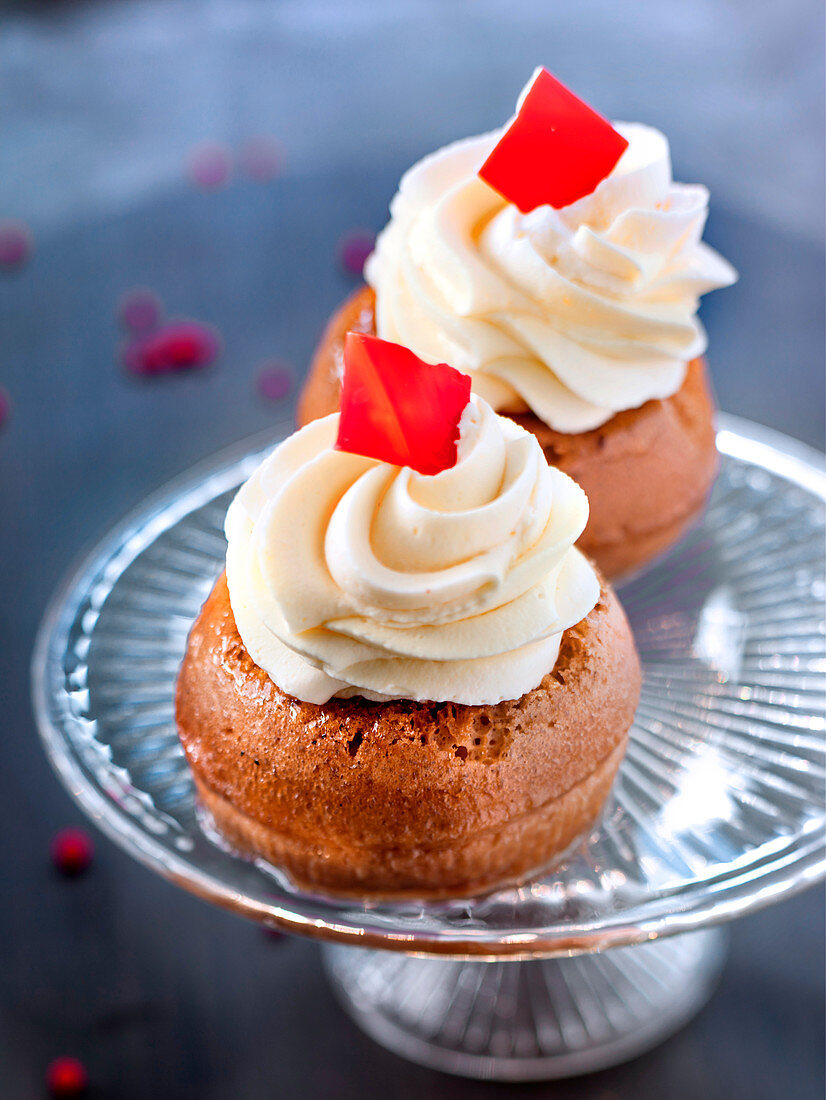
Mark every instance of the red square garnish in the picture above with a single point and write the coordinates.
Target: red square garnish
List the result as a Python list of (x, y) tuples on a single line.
[(555, 151), (397, 408)]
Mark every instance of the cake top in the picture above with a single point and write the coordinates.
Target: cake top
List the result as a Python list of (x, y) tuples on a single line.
[(353, 575), (575, 311)]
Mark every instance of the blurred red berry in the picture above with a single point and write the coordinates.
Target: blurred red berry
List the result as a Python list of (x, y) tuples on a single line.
[(72, 851), (15, 244), (210, 166), (180, 345), (354, 248), (275, 380), (67, 1077), (140, 310)]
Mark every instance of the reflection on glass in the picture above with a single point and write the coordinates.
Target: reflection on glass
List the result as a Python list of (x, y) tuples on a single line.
[(721, 632)]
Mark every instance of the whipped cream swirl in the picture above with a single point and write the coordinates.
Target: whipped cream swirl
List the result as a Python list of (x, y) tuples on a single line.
[(350, 576), (575, 313)]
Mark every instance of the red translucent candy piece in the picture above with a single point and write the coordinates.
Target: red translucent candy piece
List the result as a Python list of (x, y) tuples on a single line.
[(397, 408), (555, 151)]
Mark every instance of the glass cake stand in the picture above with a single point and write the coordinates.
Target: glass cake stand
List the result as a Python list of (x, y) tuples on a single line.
[(718, 808)]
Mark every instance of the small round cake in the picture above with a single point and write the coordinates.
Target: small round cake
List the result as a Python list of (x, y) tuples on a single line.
[(559, 265), (406, 797), (408, 682)]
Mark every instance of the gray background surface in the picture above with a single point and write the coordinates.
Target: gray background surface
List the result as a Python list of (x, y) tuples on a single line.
[(100, 105)]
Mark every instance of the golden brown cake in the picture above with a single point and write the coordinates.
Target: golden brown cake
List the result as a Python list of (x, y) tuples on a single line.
[(403, 797), (408, 681), (647, 472)]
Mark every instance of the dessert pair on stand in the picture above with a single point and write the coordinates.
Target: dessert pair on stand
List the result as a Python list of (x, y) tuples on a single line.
[(410, 681)]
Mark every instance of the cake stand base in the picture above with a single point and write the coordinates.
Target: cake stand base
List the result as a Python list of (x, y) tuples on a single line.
[(533, 1020)]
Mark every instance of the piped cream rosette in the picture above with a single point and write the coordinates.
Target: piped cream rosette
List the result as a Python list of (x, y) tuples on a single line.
[(575, 313), (349, 576)]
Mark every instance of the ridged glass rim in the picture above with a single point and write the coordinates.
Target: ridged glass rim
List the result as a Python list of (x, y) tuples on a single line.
[(793, 865)]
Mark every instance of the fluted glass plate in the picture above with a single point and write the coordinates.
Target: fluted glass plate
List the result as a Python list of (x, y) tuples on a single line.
[(718, 807)]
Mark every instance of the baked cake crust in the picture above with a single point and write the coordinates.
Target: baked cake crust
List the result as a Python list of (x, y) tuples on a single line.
[(646, 472), (406, 798)]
